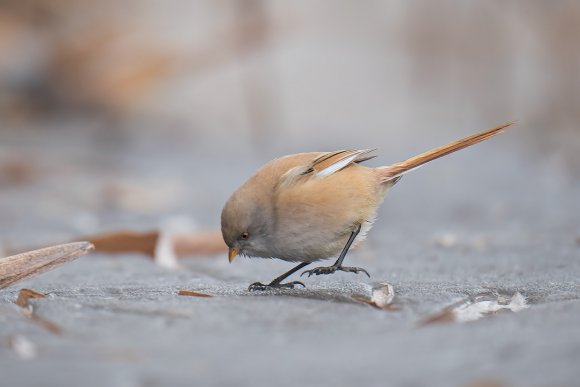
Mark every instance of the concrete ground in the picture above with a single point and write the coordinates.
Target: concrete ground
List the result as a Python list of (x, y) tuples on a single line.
[(463, 226)]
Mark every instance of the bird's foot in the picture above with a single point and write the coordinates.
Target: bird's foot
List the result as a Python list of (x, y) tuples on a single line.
[(332, 269), (273, 285)]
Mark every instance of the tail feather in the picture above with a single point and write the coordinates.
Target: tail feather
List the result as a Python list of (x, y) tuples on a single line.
[(397, 170)]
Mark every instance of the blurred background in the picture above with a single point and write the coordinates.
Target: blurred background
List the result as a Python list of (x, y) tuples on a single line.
[(121, 113), (146, 115)]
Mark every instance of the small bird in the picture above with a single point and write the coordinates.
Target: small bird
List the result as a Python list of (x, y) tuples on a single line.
[(312, 206)]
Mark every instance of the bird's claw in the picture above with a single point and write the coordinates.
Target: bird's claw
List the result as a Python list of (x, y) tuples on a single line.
[(320, 270), (332, 269), (257, 286), (260, 286), (355, 270)]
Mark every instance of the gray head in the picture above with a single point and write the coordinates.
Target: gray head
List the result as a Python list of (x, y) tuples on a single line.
[(246, 224)]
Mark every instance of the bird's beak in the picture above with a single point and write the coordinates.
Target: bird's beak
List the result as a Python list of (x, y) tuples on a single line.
[(233, 253)]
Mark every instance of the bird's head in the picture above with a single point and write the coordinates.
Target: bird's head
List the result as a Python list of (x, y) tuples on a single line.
[(246, 225)]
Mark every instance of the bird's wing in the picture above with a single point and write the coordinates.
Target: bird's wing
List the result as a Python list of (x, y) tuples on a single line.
[(331, 162), (325, 164)]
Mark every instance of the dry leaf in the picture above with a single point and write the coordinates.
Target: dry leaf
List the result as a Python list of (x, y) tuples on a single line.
[(25, 294), (194, 243), (126, 242), (193, 294), (446, 316), (21, 266), (382, 295), (28, 311), (482, 305)]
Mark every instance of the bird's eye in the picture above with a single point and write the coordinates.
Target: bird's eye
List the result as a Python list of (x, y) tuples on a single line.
[(244, 235)]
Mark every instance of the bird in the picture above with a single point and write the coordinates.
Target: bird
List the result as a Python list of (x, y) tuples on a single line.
[(313, 206)]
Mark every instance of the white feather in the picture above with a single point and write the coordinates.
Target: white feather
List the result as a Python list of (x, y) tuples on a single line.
[(342, 163)]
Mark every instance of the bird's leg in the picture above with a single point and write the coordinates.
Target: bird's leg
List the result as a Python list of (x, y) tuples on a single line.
[(277, 282), (338, 264)]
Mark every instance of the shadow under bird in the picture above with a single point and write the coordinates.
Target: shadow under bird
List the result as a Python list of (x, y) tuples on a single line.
[(312, 206)]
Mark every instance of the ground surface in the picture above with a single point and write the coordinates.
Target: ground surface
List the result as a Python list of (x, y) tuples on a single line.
[(446, 233)]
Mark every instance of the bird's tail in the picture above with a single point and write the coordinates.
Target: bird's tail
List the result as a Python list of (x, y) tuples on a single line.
[(394, 172)]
